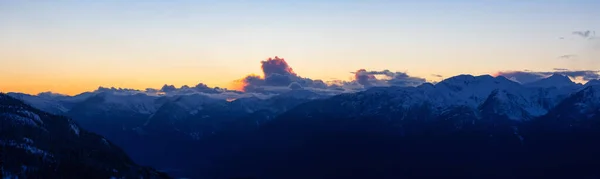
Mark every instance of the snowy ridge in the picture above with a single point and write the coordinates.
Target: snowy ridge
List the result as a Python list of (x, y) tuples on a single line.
[(74, 128), (31, 115), (497, 95), (18, 119), (556, 80), (140, 103), (47, 103), (589, 101), (532, 99), (513, 106), (29, 148)]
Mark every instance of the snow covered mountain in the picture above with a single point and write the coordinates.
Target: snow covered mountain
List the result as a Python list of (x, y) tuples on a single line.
[(198, 115), (488, 127), (556, 80), (581, 106), (593, 82), (35, 143), (187, 123), (45, 103), (485, 94)]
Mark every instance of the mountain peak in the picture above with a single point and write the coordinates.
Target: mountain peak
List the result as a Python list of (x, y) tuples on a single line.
[(556, 80), (512, 105), (557, 76)]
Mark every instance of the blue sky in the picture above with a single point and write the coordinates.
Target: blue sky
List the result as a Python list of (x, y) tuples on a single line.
[(70, 46)]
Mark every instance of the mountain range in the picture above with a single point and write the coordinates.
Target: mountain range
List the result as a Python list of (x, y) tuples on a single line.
[(34, 143), (464, 126)]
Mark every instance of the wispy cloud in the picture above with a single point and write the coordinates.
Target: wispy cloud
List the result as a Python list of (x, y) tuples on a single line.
[(389, 78), (588, 34), (568, 56), (560, 69)]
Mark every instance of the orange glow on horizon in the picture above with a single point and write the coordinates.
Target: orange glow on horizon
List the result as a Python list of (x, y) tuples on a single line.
[(237, 85), (241, 84)]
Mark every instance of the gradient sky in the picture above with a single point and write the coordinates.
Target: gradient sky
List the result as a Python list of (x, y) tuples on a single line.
[(75, 46)]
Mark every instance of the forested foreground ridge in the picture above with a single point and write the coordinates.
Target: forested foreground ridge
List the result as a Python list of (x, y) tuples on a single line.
[(36, 144)]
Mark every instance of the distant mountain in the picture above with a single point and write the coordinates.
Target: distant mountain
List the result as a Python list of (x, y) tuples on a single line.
[(184, 121), (46, 103), (50, 102), (35, 144), (510, 105), (201, 135), (556, 80), (593, 82), (580, 106), (413, 133), (199, 115)]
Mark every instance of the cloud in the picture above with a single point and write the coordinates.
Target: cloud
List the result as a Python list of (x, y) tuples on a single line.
[(560, 69), (364, 78), (585, 75), (569, 56), (388, 78), (436, 75), (521, 76), (201, 87), (276, 66), (278, 76), (531, 76), (585, 34), (168, 88)]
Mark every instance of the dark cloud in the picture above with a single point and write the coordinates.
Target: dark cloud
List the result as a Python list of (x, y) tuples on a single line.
[(185, 89), (168, 88), (405, 80), (277, 73), (276, 66), (521, 76), (560, 69), (585, 75), (278, 76), (50, 94), (113, 89), (151, 90), (364, 78), (585, 34), (120, 91), (567, 56), (277, 79), (312, 83), (201, 87), (436, 75), (369, 78), (528, 77)]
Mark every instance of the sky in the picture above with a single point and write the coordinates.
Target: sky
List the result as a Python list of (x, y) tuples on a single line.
[(75, 46)]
